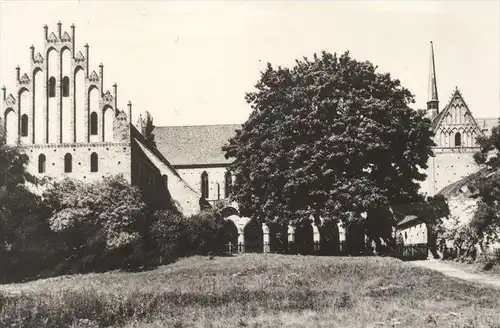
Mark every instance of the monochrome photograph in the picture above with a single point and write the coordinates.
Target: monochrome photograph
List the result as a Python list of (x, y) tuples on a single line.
[(250, 163)]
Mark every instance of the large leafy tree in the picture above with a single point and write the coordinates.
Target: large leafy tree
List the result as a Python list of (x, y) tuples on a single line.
[(485, 224), (111, 206), (329, 137), (25, 237)]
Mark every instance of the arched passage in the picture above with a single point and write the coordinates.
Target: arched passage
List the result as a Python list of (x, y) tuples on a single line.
[(330, 238), (304, 239), (278, 238), (230, 237), (355, 238), (254, 237)]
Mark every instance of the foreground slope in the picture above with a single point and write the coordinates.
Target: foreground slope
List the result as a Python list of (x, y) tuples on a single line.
[(255, 291)]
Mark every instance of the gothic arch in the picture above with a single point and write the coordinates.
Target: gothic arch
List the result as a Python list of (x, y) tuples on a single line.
[(24, 111), (304, 237), (254, 237), (230, 236), (107, 126), (93, 102), (11, 126), (80, 112), (38, 114)]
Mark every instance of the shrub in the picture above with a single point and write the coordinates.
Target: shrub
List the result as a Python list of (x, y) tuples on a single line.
[(175, 236)]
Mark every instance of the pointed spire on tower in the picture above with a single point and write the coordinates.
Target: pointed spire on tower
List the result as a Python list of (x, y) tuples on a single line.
[(433, 101)]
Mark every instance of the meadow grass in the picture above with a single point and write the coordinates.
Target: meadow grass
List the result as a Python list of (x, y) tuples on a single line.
[(255, 290)]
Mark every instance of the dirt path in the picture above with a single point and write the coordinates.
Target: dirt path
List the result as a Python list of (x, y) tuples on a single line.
[(455, 272)]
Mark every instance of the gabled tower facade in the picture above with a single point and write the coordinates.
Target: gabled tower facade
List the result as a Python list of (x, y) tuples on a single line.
[(61, 116), (456, 131)]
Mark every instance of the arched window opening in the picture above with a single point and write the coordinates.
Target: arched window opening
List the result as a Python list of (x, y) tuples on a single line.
[(24, 125), (94, 165), (228, 185), (68, 163), (41, 163), (52, 87), (204, 185), (93, 123), (65, 86), (458, 139)]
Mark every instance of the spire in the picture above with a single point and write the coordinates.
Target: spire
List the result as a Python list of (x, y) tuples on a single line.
[(433, 101)]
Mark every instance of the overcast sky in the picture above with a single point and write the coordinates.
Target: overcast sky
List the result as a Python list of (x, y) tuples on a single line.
[(192, 62)]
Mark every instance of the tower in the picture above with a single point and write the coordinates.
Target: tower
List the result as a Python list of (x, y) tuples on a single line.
[(433, 101)]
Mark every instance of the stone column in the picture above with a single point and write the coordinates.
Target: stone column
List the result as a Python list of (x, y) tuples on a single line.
[(316, 238), (241, 240), (291, 239), (265, 231)]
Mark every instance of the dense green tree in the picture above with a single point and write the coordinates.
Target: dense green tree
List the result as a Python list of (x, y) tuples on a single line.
[(25, 237), (111, 205), (485, 224), (329, 137)]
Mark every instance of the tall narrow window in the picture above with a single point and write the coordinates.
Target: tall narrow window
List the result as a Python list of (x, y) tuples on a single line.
[(94, 165), (68, 163), (65, 86), (24, 125), (52, 87), (204, 185), (41, 163), (458, 139), (165, 181), (93, 123), (228, 188)]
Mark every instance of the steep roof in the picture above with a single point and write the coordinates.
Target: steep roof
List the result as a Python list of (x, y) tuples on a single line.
[(194, 145)]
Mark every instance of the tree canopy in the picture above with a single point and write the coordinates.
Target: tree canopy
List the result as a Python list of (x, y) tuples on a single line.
[(486, 220), (329, 137)]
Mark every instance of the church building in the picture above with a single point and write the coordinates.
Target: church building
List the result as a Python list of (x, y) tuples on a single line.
[(62, 116), (456, 130)]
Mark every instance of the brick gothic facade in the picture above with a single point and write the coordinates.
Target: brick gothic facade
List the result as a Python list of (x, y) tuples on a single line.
[(456, 130), (69, 126), (60, 116)]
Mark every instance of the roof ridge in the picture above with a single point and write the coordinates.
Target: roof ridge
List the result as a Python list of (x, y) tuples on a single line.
[(194, 125)]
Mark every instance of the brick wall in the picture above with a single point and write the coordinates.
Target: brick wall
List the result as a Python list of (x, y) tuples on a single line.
[(113, 158)]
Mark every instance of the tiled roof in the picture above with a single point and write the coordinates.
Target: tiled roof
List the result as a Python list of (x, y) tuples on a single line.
[(194, 145), (456, 188)]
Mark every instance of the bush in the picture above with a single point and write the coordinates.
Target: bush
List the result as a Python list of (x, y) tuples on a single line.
[(175, 236)]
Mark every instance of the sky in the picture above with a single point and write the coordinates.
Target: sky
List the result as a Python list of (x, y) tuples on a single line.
[(191, 63)]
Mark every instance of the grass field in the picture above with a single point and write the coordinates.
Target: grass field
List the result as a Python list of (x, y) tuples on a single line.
[(255, 291)]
